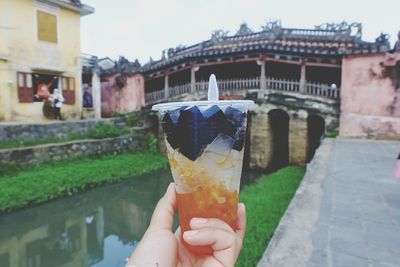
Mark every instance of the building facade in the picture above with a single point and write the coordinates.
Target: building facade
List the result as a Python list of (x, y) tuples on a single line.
[(370, 96), (307, 61), (122, 86), (329, 61), (40, 51)]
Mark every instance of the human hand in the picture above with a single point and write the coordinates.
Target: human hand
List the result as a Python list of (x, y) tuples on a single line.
[(160, 247)]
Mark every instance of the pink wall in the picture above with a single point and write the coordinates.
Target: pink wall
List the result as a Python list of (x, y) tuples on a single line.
[(370, 104), (122, 100)]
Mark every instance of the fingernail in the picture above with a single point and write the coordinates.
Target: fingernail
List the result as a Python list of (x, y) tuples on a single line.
[(190, 233), (199, 220)]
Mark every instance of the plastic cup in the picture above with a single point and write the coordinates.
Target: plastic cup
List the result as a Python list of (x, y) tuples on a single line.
[(205, 147)]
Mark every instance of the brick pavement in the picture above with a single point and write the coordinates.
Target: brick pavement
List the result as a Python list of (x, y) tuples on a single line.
[(346, 212)]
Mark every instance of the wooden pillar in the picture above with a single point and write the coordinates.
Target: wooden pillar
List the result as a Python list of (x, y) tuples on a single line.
[(263, 77), (96, 93), (193, 79), (166, 86), (298, 141), (302, 88)]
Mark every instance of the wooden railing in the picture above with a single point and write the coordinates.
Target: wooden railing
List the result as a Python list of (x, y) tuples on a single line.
[(316, 89), (283, 85), (179, 89), (231, 84), (154, 96), (320, 89)]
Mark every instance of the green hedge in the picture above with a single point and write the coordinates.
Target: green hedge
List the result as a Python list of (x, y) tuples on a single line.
[(266, 201)]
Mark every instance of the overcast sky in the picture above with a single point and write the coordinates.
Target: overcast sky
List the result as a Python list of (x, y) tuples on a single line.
[(143, 28)]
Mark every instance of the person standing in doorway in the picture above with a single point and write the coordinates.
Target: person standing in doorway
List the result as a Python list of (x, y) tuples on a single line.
[(57, 99)]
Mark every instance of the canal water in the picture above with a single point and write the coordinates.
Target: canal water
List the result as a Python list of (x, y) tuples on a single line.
[(98, 228)]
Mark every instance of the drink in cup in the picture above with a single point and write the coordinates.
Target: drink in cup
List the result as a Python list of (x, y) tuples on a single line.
[(205, 146)]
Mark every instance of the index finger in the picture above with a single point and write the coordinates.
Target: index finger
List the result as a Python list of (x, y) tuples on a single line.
[(241, 220), (163, 215)]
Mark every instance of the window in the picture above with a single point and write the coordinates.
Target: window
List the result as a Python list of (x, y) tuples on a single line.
[(43, 85), (47, 27), (25, 90), (68, 87)]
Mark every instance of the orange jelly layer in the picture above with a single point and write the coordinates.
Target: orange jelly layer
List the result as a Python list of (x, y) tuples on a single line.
[(212, 201)]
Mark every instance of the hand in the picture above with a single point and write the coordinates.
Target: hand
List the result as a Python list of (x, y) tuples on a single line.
[(160, 247)]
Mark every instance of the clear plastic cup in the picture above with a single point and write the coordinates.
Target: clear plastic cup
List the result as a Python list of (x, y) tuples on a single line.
[(205, 147)]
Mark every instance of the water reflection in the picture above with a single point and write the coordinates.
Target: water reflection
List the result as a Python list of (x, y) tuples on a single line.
[(98, 228)]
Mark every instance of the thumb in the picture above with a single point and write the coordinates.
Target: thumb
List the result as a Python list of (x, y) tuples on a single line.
[(163, 215)]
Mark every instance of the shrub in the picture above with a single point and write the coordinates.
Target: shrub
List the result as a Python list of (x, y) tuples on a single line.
[(152, 144), (132, 119)]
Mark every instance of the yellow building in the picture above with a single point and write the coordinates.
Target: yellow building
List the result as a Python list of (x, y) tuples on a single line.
[(39, 51)]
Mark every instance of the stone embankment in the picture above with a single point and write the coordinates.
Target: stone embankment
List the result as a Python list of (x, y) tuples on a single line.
[(53, 152), (13, 131), (56, 151)]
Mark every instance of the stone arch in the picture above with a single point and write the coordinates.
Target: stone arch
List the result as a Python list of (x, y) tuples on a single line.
[(315, 131), (279, 132)]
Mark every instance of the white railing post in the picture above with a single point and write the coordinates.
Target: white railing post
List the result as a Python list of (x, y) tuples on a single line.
[(166, 86), (302, 88)]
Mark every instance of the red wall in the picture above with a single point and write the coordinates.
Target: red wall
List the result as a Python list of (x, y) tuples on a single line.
[(129, 98), (370, 103)]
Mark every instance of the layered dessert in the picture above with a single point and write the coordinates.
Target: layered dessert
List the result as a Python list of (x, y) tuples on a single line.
[(205, 145)]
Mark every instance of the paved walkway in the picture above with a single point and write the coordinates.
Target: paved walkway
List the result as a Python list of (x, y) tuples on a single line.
[(346, 212)]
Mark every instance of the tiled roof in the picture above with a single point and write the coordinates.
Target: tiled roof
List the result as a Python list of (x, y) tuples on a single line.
[(326, 41)]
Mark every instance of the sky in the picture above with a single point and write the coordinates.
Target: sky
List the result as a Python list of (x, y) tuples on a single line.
[(140, 29)]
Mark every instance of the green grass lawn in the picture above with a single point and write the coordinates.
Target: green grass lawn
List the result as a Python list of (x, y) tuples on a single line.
[(266, 201), (24, 186)]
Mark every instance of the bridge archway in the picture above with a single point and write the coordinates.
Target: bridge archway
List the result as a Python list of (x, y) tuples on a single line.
[(279, 129), (315, 131)]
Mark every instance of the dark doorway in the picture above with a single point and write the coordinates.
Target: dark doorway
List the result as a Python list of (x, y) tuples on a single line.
[(315, 129), (156, 84), (324, 75), (279, 128), (282, 70), (235, 70), (178, 78)]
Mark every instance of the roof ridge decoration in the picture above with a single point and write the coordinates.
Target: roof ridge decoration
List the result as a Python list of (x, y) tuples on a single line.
[(342, 29), (218, 36), (244, 30), (272, 29)]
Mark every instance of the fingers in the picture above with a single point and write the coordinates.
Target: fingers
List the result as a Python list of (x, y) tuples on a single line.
[(241, 220), (217, 238), (163, 215), (199, 223), (217, 233)]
